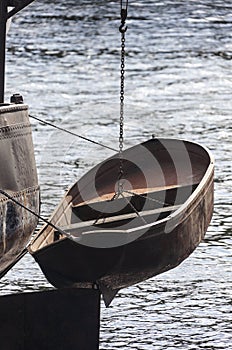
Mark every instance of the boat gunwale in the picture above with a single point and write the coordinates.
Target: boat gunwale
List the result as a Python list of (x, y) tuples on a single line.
[(208, 177), (187, 204)]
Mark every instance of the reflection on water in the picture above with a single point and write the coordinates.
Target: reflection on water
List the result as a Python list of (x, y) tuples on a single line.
[(63, 56)]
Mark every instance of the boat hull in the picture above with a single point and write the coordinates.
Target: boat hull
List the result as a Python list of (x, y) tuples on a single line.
[(159, 247), (18, 178)]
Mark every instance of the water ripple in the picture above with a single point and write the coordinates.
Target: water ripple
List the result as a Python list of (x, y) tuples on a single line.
[(178, 84)]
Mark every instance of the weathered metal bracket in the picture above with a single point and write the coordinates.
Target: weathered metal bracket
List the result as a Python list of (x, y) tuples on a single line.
[(4, 16), (18, 6)]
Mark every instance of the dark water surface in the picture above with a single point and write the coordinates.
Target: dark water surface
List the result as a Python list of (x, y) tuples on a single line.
[(63, 56)]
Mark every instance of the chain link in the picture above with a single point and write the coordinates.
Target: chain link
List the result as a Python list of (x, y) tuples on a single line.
[(122, 30), (121, 131)]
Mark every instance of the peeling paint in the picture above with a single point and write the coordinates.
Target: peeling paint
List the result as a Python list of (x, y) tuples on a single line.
[(18, 178)]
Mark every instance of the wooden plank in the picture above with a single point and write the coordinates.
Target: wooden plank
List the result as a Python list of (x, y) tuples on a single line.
[(91, 210), (138, 192), (82, 224), (55, 319)]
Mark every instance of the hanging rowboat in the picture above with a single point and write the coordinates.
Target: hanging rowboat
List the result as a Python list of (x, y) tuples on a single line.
[(18, 179), (118, 238)]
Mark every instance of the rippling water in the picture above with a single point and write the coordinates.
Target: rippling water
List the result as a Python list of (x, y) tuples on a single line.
[(63, 56)]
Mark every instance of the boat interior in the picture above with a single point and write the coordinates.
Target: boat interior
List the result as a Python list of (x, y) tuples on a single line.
[(152, 190)]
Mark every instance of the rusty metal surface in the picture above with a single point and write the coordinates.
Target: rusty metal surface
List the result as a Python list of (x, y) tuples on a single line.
[(166, 251), (163, 245), (18, 169), (18, 177), (17, 224), (65, 263)]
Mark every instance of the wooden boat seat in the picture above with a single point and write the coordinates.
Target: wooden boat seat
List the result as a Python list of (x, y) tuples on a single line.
[(141, 200), (114, 221)]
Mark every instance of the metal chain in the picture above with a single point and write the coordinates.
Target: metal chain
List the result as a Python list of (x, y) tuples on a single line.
[(121, 140), (122, 30)]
